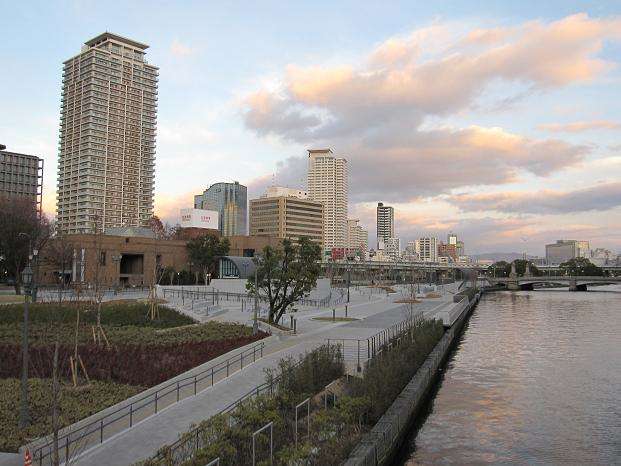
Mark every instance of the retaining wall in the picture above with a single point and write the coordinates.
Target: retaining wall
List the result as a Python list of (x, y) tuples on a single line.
[(379, 446)]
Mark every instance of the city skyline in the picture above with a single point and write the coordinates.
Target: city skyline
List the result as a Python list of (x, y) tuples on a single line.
[(523, 150)]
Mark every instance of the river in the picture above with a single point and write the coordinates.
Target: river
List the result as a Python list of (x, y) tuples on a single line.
[(535, 379)]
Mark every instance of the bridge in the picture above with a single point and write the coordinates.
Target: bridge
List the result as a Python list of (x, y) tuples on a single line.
[(575, 283), (397, 271)]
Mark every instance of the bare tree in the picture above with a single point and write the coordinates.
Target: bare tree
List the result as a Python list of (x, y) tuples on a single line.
[(58, 253), (17, 216)]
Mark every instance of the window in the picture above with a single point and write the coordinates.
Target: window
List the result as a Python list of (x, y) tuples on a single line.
[(102, 258)]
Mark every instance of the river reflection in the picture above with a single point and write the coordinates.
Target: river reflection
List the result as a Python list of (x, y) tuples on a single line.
[(535, 379)]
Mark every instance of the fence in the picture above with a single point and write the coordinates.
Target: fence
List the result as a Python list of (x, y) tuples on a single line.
[(183, 449), (215, 296), (361, 350), (73, 443), (378, 445)]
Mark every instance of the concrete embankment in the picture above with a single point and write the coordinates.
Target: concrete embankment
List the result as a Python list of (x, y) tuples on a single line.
[(379, 446)]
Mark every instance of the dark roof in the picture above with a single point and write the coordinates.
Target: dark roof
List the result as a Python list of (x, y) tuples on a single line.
[(110, 35)]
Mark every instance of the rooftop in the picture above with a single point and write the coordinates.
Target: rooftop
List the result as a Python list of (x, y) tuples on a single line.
[(108, 35), (319, 151)]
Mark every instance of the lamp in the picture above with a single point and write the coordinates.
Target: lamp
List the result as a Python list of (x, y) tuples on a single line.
[(27, 276)]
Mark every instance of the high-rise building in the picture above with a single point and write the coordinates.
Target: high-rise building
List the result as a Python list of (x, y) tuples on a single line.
[(448, 250), (565, 250), (452, 239), (107, 136), (327, 183), (286, 213), (427, 249), (230, 200), (357, 237), (385, 222), (393, 248), (21, 176)]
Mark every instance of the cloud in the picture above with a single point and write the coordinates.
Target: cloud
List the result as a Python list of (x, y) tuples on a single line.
[(178, 49), (372, 112), (579, 126), (600, 197), (167, 206)]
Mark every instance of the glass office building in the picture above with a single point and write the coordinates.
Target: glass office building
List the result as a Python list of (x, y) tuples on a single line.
[(230, 200)]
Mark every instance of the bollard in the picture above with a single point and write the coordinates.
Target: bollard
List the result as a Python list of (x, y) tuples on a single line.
[(333, 314), (291, 324), (295, 326), (346, 310)]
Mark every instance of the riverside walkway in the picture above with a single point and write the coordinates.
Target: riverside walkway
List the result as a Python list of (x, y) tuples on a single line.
[(374, 311)]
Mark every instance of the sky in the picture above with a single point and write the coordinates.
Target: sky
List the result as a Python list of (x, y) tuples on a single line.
[(498, 121)]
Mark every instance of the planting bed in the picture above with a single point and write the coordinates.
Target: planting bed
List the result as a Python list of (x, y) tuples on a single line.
[(140, 353), (75, 404)]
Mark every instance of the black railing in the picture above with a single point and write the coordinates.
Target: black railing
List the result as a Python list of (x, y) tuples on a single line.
[(73, 442)]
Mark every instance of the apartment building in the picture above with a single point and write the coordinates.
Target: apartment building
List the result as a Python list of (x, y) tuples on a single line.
[(385, 222), (286, 213), (107, 136), (357, 237), (427, 249), (328, 184)]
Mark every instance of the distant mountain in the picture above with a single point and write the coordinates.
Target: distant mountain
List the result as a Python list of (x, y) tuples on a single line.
[(502, 256)]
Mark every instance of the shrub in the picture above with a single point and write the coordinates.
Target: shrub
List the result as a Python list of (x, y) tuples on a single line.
[(75, 404), (388, 373), (144, 365)]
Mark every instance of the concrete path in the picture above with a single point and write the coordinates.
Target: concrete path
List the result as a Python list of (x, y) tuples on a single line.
[(376, 313)]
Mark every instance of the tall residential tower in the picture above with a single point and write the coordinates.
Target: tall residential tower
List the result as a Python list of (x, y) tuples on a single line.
[(327, 183), (385, 222), (107, 136)]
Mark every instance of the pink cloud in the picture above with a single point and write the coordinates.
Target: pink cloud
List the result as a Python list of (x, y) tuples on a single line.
[(579, 126)]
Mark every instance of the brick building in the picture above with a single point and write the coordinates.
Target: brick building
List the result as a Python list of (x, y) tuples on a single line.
[(117, 260)]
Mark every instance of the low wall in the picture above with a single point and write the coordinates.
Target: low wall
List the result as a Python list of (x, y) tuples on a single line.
[(380, 445)]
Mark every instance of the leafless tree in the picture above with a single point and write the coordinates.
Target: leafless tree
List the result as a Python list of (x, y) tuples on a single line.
[(20, 216)]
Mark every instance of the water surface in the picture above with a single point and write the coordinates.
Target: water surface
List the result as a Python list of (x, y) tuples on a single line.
[(535, 379)]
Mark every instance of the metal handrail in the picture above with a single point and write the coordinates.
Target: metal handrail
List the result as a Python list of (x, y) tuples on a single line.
[(98, 425), (194, 434), (227, 295)]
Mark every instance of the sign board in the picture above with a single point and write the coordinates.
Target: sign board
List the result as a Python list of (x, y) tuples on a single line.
[(199, 218)]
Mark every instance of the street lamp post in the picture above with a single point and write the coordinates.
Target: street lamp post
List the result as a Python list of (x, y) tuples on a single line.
[(348, 282), (24, 416), (255, 323), (27, 281)]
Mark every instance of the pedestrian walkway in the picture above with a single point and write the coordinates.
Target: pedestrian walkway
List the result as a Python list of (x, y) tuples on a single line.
[(145, 438)]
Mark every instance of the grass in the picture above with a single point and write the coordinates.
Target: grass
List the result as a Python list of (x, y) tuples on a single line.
[(336, 319), (112, 314), (98, 395), (8, 298)]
